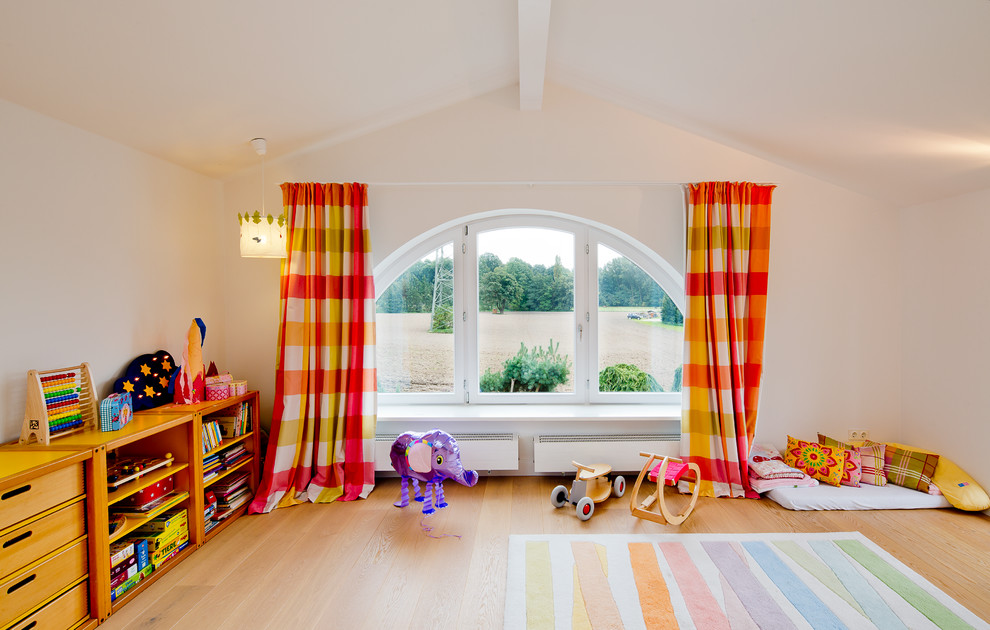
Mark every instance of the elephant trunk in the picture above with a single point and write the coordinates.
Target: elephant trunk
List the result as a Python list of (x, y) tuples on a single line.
[(469, 478)]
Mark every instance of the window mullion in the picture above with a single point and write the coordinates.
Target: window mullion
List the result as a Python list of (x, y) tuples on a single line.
[(468, 341)]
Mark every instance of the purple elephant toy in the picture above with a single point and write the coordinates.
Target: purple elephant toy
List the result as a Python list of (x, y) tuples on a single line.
[(431, 457)]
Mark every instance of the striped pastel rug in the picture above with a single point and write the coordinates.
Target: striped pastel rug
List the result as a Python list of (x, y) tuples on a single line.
[(715, 581)]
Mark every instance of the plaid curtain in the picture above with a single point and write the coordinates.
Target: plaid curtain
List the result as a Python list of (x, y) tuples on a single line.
[(321, 445), (728, 252)]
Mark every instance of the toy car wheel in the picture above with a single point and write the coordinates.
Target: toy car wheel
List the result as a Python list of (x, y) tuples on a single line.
[(585, 508), (559, 496), (619, 486)]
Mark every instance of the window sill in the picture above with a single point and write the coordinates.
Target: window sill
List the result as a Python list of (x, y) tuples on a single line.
[(514, 413)]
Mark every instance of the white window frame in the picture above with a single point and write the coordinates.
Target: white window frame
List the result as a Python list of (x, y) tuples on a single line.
[(587, 235)]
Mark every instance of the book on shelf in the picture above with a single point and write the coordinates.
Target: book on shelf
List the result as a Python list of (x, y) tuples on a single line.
[(225, 488), (123, 570), (116, 593), (141, 510), (211, 436), (169, 521), (168, 552), (120, 550), (230, 426), (234, 455), (233, 421), (233, 498), (225, 509)]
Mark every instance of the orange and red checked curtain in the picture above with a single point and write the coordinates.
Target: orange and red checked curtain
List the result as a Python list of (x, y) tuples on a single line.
[(321, 444), (728, 254)]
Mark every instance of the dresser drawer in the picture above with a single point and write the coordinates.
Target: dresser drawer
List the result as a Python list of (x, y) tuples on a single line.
[(27, 543), (69, 609), (37, 495), (22, 592)]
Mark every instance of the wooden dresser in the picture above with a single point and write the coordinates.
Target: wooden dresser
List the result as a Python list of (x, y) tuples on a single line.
[(44, 544)]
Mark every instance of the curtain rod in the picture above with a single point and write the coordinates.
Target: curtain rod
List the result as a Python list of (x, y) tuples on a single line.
[(533, 183)]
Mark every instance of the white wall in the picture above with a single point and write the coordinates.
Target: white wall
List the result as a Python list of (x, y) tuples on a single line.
[(833, 338), (946, 332), (107, 253)]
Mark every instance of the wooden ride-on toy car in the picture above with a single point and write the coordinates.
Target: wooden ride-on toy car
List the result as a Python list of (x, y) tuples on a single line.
[(591, 485), (667, 473)]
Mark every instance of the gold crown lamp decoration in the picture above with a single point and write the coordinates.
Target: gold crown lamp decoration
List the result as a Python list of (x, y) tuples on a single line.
[(262, 235)]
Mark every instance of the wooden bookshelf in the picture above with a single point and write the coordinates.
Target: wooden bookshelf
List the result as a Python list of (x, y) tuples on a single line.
[(175, 430)]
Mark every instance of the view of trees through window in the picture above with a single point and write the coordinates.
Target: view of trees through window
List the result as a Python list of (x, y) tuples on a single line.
[(526, 325), (526, 310), (640, 329), (415, 325)]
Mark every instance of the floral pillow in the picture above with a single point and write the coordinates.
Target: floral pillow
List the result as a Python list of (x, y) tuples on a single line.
[(825, 463), (852, 472)]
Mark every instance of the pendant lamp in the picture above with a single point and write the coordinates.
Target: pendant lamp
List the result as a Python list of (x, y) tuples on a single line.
[(262, 235)]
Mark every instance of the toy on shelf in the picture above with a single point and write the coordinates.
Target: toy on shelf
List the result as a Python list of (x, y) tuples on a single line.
[(190, 384), (116, 410), (591, 485), (668, 472), (126, 469), (148, 379), (58, 402)]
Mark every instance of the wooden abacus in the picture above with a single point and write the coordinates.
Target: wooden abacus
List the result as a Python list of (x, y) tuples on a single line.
[(59, 402)]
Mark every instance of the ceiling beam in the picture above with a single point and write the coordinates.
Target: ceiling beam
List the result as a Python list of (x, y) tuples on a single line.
[(534, 31)]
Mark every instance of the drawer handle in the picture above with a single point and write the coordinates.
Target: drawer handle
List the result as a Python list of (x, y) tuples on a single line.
[(22, 583), (29, 626), (16, 539), (10, 494)]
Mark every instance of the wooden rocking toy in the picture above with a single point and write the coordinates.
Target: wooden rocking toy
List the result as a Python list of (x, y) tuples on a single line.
[(668, 472)]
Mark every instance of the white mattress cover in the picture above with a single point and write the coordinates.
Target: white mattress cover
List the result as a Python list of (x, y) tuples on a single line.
[(865, 497)]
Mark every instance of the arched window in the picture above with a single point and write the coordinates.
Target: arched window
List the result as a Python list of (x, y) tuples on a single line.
[(528, 307)]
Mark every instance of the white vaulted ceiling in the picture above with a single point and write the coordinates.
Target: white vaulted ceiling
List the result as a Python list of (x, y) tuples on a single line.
[(887, 97)]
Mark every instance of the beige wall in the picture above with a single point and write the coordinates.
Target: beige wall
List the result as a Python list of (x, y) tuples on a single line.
[(833, 339), (107, 253), (946, 333)]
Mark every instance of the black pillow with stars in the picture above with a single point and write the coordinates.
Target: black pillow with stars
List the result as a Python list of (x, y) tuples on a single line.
[(148, 378)]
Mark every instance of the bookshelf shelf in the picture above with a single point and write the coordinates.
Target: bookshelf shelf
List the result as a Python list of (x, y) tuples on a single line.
[(143, 482), (228, 442), (237, 467), (132, 522)]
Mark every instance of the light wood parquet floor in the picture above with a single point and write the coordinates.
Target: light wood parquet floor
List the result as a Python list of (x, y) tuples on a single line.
[(367, 564)]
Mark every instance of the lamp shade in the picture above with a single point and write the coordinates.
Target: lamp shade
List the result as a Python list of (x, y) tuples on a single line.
[(262, 236)]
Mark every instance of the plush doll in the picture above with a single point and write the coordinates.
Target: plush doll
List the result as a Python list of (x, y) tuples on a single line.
[(191, 383)]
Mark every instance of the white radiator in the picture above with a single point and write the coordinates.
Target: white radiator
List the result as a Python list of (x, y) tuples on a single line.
[(479, 451), (554, 453)]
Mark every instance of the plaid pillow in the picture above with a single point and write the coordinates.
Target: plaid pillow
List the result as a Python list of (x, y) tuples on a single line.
[(910, 469), (872, 460), (852, 472), (824, 463)]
